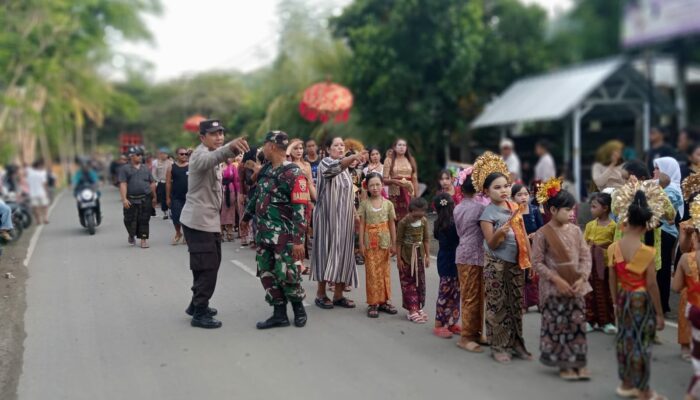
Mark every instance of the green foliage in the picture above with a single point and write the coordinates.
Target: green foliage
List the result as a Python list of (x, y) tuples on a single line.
[(413, 62)]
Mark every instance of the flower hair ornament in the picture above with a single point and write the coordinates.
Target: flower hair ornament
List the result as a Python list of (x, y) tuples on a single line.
[(656, 199), (463, 174), (443, 202), (690, 186), (548, 189), (487, 164)]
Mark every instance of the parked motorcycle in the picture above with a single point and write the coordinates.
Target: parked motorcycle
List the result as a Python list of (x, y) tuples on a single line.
[(21, 205), (88, 208)]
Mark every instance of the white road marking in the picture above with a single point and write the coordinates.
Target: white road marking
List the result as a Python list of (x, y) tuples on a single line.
[(244, 268), (253, 273), (37, 232)]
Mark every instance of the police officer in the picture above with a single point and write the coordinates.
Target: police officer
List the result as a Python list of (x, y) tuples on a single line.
[(137, 186), (278, 204), (200, 217)]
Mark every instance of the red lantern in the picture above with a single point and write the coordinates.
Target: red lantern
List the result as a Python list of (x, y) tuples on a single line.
[(324, 101)]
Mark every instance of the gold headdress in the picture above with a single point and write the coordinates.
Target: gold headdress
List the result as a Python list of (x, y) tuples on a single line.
[(695, 213), (690, 186), (548, 189), (485, 165), (656, 199)]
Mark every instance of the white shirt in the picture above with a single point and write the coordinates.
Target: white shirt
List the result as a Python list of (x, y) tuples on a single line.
[(513, 164), (545, 168), (36, 179)]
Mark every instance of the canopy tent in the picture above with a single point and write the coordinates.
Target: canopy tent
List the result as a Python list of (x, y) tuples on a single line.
[(573, 93)]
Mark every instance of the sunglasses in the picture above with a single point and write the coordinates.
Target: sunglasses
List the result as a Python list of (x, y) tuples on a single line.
[(182, 154)]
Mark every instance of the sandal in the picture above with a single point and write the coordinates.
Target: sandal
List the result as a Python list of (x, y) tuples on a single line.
[(583, 374), (568, 375), (176, 240), (415, 318), (344, 302), (324, 303), (372, 312), (456, 329), (388, 308), (502, 358), (442, 332), (472, 347), (632, 393)]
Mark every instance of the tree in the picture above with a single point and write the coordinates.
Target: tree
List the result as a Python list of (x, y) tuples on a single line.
[(413, 63)]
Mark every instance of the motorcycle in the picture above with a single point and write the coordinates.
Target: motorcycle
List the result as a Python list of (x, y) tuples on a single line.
[(17, 227), (20, 205), (88, 208)]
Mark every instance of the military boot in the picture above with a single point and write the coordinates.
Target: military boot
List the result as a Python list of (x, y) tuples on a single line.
[(299, 314), (210, 311), (202, 319), (277, 320)]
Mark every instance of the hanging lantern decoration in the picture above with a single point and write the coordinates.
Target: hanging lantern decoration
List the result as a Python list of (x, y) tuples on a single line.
[(326, 101)]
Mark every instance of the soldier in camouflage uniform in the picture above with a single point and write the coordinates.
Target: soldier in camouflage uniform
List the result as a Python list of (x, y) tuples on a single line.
[(278, 204)]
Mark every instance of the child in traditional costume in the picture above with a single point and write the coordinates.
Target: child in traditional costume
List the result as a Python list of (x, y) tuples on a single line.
[(447, 308), (377, 244), (562, 259), (687, 278), (470, 266), (640, 207), (599, 234), (532, 217), (413, 248), (447, 185), (687, 243), (507, 255)]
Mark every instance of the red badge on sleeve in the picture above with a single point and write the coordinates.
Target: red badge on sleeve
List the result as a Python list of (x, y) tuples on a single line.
[(300, 193)]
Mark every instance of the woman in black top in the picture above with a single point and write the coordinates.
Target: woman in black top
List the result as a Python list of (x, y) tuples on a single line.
[(176, 190)]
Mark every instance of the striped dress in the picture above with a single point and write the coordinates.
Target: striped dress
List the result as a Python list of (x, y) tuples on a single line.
[(333, 255)]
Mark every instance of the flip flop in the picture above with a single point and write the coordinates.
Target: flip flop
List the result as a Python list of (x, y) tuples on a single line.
[(502, 358), (472, 347), (627, 393), (568, 375)]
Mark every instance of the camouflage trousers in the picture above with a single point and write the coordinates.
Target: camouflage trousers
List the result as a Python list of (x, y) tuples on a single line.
[(279, 275)]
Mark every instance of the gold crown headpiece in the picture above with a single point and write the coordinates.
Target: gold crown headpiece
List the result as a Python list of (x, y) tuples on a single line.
[(690, 186), (695, 212), (487, 164), (656, 199), (548, 189)]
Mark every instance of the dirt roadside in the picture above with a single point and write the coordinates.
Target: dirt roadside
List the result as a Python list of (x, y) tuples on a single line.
[(12, 307)]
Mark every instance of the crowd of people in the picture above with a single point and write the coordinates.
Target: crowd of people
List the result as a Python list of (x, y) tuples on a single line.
[(503, 246)]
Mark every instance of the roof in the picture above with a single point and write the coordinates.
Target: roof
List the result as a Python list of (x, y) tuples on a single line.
[(548, 97), (665, 71)]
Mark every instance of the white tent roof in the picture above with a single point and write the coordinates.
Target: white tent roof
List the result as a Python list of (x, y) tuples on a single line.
[(547, 97)]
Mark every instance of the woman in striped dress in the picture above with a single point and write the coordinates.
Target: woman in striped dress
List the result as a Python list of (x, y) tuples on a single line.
[(333, 254)]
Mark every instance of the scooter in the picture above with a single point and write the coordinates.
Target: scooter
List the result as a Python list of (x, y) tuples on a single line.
[(88, 208), (20, 204), (17, 227)]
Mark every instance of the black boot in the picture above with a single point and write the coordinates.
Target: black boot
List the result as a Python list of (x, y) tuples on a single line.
[(299, 314), (201, 319), (277, 320), (210, 311)]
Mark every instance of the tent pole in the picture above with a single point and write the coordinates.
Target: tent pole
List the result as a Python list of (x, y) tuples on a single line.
[(578, 183)]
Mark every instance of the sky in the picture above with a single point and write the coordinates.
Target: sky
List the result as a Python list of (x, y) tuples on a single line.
[(194, 36)]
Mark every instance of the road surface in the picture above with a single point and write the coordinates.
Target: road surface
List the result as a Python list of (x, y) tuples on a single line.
[(106, 321)]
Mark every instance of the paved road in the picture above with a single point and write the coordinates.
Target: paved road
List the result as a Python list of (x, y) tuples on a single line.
[(106, 321)]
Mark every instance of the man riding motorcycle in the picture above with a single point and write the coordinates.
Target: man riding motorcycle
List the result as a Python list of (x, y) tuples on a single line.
[(86, 177)]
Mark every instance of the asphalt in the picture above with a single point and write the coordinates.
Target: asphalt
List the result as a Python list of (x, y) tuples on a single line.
[(106, 321)]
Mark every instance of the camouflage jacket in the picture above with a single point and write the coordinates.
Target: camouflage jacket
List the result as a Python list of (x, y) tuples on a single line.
[(279, 204)]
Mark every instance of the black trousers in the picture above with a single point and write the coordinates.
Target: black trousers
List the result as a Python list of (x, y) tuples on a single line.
[(663, 276), (138, 216), (160, 195), (205, 259)]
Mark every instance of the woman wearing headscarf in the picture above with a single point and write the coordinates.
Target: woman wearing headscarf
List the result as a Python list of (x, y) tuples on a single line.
[(668, 172), (607, 168)]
